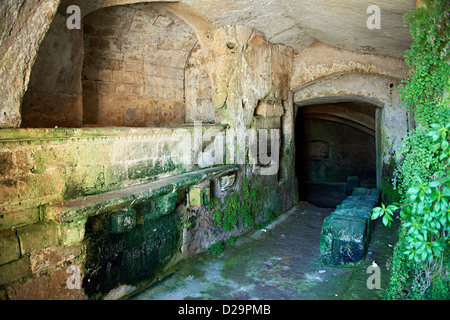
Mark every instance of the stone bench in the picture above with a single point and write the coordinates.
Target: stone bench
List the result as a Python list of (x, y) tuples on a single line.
[(346, 233), (71, 216)]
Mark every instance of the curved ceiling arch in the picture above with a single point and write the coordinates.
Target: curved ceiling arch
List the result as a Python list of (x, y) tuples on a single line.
[(185, 12), (373, 89)]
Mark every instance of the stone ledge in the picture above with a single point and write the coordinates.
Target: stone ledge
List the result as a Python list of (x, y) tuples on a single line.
[(30, 135), (123, 198)]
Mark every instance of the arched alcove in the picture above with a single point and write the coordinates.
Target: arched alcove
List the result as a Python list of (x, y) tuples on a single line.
[(133, 72), (54, 94), (132, 65)]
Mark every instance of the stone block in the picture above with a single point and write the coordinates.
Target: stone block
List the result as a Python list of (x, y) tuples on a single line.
[(199, 195), (346, 205), (15, 270), (359, 192), (343, 240), (142, 169), (123, 221), (48, 286), (351, 183), (115, 175), (52, 257), (6, 162), (92, 154), (155, 208), (41, 185), (37, 237), (346, 233), (353, 212), (71, 233), (9, 247), (269, 109), (48, 158), (16, 216), (9, 191), (81, 181)]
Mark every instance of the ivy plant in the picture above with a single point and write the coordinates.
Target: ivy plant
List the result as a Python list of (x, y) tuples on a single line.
[(421, 179), (426, 211)]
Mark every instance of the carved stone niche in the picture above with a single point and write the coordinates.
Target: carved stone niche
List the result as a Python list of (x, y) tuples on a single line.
[(226, 182), (200, 194)]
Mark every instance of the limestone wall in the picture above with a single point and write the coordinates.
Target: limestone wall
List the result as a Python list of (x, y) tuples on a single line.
[(39, 168), (23, 25), (133, 73), (54, 94)]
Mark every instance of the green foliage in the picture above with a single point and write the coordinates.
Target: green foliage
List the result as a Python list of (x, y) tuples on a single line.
[(422, 93), (231, 240), (230, 214), (427, 58), (216, 249), (421, 178), (237, 207), (404, 274), (390, 194), (426, 214), (426, 211), (386, 213)]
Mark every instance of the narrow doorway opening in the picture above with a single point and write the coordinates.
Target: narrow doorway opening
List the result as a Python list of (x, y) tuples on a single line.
[(336, 151)]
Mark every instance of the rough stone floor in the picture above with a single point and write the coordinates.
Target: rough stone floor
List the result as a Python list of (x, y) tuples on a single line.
[(281, 262)]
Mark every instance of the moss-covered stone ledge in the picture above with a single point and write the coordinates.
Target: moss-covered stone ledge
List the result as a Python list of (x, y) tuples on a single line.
[(119, 199), (39, 167), (129, 235)]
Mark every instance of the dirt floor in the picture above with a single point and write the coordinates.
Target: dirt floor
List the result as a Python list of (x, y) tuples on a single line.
[(280, 262)]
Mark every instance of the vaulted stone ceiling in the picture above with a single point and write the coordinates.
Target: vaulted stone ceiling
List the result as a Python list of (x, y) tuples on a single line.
[(295, 23)]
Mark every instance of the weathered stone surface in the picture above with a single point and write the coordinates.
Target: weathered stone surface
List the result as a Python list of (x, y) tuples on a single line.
[(157, 65), (123, 221), (298, 24), (129, 258), (116, 200), (157, 207), (15, 270), (72, 232), (269, 109), (23, 25), (53, 257), (37, 237), (241, 72), (46, 287), (199, 195), (346, 233), (320, 60), (9, 247), (343, 239), (134, 66), (198, 92), (54, 95)]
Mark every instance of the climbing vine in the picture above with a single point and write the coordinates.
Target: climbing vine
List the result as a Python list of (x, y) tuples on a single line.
[(422, 178)]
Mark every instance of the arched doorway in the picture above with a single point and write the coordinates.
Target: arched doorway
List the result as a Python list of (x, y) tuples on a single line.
[(336, 147)]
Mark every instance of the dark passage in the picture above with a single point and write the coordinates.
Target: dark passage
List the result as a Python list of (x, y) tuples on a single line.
[(335, 151)]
